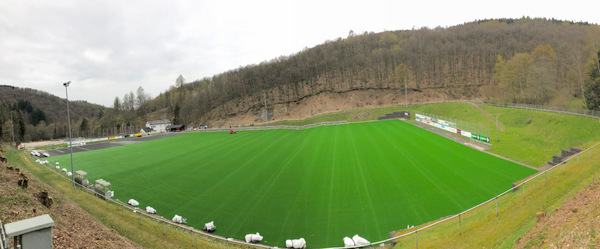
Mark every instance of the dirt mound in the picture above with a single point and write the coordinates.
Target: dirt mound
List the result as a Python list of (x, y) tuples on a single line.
[(575, 224), (74, 228)]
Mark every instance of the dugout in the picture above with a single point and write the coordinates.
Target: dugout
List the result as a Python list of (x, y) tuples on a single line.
[(103, 189), (81, 178)]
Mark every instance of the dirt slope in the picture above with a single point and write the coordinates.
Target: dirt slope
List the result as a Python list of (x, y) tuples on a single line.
[(74, 228), (576, 224)]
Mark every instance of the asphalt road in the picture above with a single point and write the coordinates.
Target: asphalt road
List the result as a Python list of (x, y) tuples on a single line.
[(109, 144)]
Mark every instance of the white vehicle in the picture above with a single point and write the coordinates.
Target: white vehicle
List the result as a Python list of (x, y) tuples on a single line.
[(35, 153), (46, 154)]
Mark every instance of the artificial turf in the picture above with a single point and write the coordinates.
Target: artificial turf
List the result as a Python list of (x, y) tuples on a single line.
[(321, 184)]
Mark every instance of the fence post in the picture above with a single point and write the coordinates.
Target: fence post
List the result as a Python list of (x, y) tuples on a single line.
[(577, 159), (416, 239), (545, 178), (164, 228), (523, 191), (140, 217), (563, 164), (192, 234), (496, 206), (459, 225)]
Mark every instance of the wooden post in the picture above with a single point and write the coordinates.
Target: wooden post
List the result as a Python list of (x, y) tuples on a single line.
[(523, 191)]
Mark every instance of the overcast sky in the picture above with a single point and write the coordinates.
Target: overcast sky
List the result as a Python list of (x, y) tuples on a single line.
[(108, 48)]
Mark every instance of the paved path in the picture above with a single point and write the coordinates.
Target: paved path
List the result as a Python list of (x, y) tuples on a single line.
[(109, 144)]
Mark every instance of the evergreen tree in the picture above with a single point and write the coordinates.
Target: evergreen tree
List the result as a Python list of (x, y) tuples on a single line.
[(592, 93)]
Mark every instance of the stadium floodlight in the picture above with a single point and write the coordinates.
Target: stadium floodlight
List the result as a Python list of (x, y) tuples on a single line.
[(66, 84)]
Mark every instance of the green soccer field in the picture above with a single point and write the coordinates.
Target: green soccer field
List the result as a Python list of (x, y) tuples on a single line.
[(321, 184)]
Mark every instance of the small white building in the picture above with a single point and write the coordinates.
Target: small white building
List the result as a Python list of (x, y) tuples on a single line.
[(158, 125)]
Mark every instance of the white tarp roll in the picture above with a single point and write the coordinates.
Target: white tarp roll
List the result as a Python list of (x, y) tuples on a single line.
[(210, 227), (150, 210), (359, 241), (177, 219), (253, 238), (348, 242), (133, 202), (295, 243)]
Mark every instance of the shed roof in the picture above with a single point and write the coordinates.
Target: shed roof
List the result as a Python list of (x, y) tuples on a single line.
[(28, 225)]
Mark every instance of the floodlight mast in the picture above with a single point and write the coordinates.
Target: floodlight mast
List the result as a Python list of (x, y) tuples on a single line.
[(66, 84)]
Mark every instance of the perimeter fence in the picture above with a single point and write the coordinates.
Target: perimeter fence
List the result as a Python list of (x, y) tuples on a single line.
[(585, 154), (563, 110), (462, 125)]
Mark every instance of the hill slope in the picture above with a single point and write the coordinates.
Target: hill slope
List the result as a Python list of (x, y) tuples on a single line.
[(370, 69), (40, 115), (74, 228)]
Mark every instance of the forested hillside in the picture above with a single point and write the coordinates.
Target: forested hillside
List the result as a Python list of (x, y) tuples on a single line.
[(524, 60), (39, 115)]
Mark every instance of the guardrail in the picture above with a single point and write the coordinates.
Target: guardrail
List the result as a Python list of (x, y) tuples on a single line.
[(157, 218), (493, 199)]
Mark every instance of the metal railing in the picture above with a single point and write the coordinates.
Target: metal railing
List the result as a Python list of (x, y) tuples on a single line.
[(493, 199), (156, 218), (193, 231), (554, 109)]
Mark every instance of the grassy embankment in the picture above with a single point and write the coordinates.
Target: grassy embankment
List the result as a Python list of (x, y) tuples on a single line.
[(532, 144), (148, 233)]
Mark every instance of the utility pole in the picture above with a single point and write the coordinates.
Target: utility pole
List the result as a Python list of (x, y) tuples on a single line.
[(12, 126), (266, 110), (497, 129), (66, 84)]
